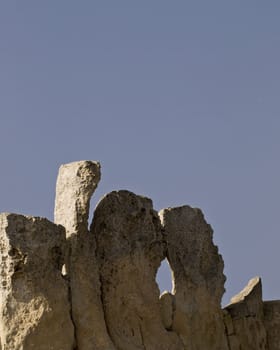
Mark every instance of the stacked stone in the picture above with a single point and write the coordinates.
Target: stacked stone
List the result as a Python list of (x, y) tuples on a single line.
[(64, 286)]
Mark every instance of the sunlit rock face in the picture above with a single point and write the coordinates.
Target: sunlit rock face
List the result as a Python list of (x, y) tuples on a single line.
[(64, 286), (34, 306), (75, 185), (130, 249), (198, 279)]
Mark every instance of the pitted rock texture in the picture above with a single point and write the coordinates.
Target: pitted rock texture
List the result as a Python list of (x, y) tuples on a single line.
[(76, 183), (199, 279), (68, 288), (34, 307), (244, 318), (272, 323), (130, 248)]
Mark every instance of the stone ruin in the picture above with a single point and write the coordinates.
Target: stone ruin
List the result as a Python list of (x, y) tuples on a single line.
[(67, 287)]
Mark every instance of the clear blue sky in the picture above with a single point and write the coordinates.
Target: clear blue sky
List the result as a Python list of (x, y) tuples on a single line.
[(178, 100)]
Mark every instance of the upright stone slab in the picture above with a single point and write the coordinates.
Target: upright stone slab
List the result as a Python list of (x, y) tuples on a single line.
[(76, 183), (130, 248), (272, 323), (34, 305), (198, 279), (247, 331)]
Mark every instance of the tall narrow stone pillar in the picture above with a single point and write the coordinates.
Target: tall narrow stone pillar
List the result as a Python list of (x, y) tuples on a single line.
[(198, 279), (130, 248), (76, 183), (34, 304)]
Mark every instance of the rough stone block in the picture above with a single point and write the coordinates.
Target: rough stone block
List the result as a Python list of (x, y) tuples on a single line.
[(198, 279), (75, 185), (167, 309), (246, 312), (34, 307), (130, 249)]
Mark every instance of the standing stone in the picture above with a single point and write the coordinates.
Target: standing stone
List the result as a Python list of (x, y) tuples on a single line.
[(34, 304), (130, 249), (246, 312), (198, 279), (76, 183), (272, 323)]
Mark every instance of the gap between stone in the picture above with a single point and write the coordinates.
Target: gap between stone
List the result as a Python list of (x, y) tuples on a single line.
[(164, 277)]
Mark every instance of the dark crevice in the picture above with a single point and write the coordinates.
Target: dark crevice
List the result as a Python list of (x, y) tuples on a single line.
[(71, 314), (67, 278)]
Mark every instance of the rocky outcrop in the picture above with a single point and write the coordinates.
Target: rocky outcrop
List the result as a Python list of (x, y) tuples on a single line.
[(76, 183), (65, 287), (244, 319), (34, 308), (130, 249), (198, 279)]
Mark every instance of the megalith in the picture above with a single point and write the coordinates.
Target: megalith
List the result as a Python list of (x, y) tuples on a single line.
[(75, 185), (198, 283), (247, 330), (34, 304), (64, 286), (130, 248)]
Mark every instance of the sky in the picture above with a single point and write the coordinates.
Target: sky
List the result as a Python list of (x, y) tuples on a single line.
[(178, 100)]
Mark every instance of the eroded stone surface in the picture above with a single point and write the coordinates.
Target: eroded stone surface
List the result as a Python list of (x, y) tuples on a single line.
[(199, 279), (130, 249), (107, 298), (272, 323), (247, 330), (34, 305), (76, 183), (167, 308)]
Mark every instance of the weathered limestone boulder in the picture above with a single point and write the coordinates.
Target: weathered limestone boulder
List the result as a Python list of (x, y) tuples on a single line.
[(244, 318), (167, 308), (76, 183), (272, 323), (198, 279), (34, 304), (130, 248)]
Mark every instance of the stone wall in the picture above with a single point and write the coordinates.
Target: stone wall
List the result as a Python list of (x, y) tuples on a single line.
[(70, 286)]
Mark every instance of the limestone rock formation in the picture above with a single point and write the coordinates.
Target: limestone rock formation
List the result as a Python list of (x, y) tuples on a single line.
[(198, 279), (65, 287), (130, 249), (245, 326), (76, 183), (34, 307)]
